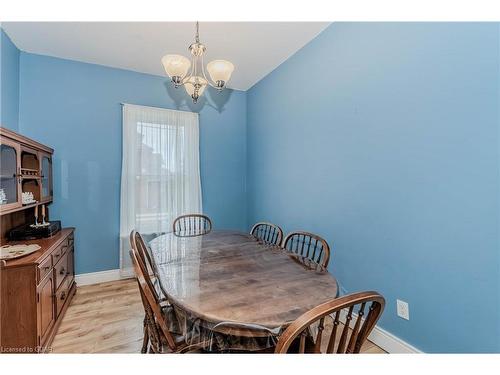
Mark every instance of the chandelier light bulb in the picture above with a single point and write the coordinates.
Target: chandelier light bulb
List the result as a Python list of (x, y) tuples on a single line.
[(195, 86), (220, 71), (176, 65)]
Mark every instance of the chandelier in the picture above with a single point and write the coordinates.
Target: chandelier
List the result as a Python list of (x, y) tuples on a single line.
[(195, 82)]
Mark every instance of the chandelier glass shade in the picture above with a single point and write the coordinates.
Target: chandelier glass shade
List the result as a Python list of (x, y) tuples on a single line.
[(191, 73)]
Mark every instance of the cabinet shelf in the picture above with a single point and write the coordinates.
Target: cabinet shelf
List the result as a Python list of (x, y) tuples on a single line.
[(23, 176), (28, 170), (24, 207), (30, 177), (30, 174)]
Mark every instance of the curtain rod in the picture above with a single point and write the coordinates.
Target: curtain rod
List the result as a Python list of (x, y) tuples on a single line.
[(150, 106)]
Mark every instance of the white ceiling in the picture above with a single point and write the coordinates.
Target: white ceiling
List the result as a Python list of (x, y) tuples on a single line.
[(255, 48)]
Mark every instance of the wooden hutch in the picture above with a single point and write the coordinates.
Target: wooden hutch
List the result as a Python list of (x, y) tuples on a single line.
[(35, 290)]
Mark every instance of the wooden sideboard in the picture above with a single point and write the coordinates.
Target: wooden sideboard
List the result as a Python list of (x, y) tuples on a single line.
[(35, 292), (36, 289)]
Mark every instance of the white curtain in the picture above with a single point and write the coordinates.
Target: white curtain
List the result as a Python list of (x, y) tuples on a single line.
[(160, 172)]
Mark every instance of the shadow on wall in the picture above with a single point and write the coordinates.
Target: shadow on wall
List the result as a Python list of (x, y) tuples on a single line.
[(211, 98)]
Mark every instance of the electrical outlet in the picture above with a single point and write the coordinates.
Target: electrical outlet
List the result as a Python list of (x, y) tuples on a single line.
[(403, 309)]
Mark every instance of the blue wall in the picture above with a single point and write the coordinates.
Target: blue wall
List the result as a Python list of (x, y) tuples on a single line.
[(383, 138), (75, 108), (9, 83)]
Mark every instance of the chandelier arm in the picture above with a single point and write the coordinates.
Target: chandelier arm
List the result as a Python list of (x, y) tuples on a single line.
[(203, 68), (209, 80), (195, 57), (193, 66), (214, 86), (191, 72)]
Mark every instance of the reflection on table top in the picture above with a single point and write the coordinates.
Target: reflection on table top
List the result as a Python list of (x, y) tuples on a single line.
[(228, 276)]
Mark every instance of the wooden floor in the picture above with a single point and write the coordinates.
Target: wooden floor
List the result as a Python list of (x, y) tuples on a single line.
[(107, 318)]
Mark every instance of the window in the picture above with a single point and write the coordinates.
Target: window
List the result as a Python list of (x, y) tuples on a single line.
[(160, 171)]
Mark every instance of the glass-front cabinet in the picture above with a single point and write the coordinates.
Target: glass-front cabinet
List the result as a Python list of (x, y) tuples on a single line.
[(46, 177), (25, 172), (10, 190)]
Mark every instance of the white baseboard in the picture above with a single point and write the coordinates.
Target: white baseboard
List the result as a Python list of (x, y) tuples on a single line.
[(390, 343), (385, 340), (98, 277)]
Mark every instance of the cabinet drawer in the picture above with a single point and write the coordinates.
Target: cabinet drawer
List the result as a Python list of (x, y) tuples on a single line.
[(61, 269), (65, 246), (71, 240), (58, 253), (44, 268), (62, 295)]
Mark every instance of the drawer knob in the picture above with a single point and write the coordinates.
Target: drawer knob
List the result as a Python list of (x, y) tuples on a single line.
[(57, 255), (63, 296), (62, 272)]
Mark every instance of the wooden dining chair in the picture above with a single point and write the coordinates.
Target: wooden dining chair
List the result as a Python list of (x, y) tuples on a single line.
[(309, 246), (192, 225), (149, 269), (347, 333), (137, 241), (157, 322), (270, 234)]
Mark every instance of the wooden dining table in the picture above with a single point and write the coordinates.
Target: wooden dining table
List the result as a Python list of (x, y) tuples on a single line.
[(229, 278)]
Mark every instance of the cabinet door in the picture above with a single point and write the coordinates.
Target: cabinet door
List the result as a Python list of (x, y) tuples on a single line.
[(46, 174), (10, 161), (45, 307), (71, 263)]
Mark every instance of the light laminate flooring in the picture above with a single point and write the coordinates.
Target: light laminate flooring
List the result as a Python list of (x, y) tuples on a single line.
[(108, 318)]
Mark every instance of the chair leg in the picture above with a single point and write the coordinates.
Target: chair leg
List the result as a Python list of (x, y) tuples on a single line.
[(145, 340)]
